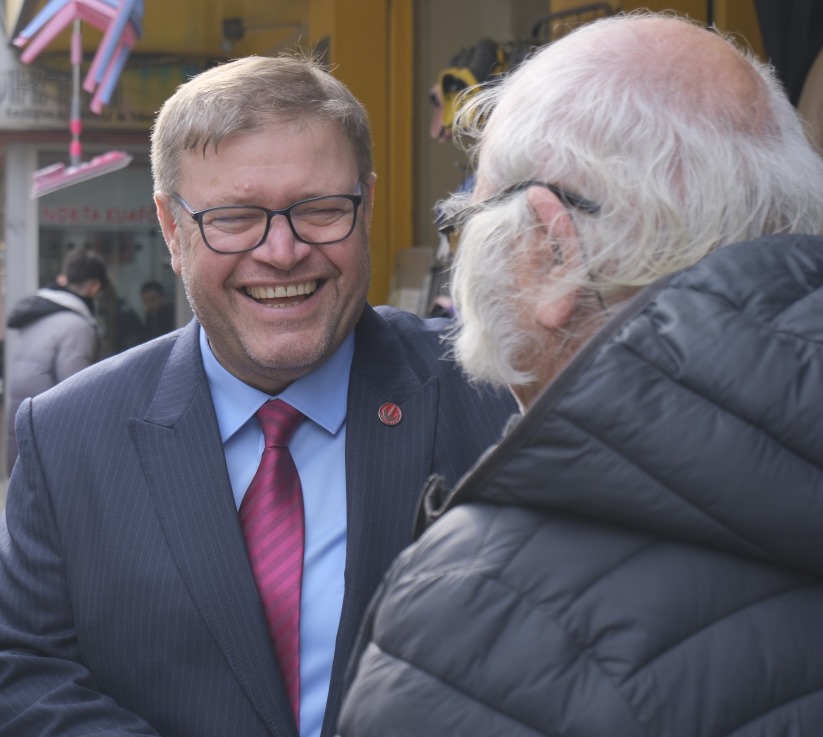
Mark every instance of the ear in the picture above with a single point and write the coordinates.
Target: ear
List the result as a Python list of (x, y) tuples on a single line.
[(555, 226), (170, 229), (90, 288), (368, 197)]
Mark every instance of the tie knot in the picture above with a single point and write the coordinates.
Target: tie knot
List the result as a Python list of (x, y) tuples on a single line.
[(279, 421)]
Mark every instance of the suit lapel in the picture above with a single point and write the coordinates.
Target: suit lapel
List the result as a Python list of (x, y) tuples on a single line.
[(386, 468), (180, 448), (181, 452)]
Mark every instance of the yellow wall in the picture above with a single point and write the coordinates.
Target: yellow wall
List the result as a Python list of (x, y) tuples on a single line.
[(739, 17), (371, 52)]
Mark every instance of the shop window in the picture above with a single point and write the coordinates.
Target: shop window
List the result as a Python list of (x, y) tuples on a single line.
[(113, 215)]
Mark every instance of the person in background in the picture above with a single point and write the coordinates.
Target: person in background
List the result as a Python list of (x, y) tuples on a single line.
[(124, 328), (58, 333), (289, 423), (640, 555), (158, 312)]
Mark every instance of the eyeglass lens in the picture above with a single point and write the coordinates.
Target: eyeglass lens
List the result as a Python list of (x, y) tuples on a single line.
[(318, 221)]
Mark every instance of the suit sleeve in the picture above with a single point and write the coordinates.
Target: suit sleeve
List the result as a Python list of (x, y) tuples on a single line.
[(45, 690)]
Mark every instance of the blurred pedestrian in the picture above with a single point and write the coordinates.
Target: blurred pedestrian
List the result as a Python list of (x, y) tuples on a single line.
[(58, 333), (158, 311)]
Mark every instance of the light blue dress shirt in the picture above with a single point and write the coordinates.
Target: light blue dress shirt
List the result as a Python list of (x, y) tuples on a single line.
[(318, 448)]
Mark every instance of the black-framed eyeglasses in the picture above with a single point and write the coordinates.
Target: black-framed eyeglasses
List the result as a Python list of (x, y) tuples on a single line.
[(452, 223), (318, 221)]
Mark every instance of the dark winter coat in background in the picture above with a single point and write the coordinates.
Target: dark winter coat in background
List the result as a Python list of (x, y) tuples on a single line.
[(642, 554)]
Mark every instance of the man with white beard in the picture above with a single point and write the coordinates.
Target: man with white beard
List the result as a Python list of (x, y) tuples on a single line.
[(640, 555)]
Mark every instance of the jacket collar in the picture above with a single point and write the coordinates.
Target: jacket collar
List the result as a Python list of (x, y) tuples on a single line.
[(690, 415)]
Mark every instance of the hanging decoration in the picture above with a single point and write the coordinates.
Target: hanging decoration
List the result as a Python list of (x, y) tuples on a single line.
[(121, 24)]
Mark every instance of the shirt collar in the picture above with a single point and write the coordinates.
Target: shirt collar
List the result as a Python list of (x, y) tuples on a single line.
[(321, 395)]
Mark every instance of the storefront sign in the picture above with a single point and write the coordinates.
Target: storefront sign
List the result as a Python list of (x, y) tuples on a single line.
[(92, 217)]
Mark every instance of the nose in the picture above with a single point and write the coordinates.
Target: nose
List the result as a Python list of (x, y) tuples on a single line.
[(281, 248)]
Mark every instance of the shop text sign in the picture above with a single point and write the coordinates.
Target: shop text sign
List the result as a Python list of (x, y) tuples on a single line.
[(91, 216)]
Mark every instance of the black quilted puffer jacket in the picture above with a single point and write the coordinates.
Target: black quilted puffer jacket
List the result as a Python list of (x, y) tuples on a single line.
[(642, 553)]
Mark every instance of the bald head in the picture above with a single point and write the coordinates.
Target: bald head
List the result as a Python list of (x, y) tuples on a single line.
[(689, 69), (646, 66)]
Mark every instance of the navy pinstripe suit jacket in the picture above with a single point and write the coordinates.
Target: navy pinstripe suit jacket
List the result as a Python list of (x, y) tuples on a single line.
[(127, 603)]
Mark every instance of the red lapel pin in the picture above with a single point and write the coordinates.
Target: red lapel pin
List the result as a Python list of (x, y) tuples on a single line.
[(389, 414)]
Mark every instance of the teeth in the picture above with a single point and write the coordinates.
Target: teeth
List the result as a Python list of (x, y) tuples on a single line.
[(279, 292)]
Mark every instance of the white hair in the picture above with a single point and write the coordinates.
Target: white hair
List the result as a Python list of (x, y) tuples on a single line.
[(681, 160)]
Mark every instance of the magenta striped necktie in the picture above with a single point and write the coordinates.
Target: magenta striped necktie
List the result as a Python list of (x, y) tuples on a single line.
[(271, 515)]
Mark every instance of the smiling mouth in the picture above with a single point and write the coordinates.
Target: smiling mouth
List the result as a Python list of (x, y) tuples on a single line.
[(282, 296)]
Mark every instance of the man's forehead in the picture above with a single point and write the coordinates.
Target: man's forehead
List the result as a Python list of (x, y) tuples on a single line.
[(329, 136), (280, 163), (206, 141)]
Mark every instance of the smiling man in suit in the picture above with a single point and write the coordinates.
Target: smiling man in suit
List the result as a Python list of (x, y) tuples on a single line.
[(137, 594)]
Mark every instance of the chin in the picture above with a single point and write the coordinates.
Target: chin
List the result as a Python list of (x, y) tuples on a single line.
[(293, 353)]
